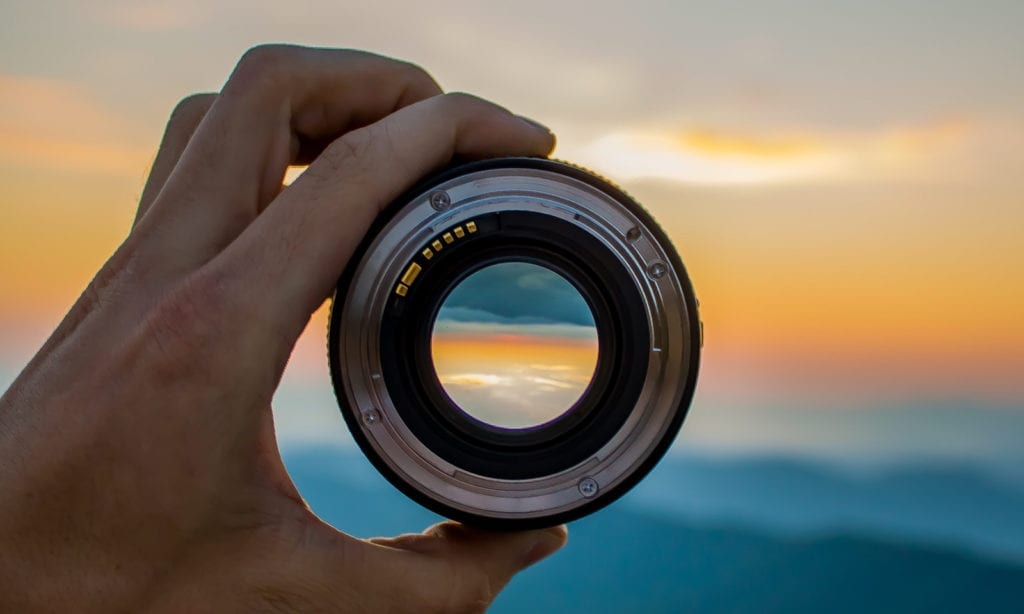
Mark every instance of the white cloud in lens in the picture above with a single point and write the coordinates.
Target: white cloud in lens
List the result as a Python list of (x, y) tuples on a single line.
[(519, 396), (552, 383), (540, 367), (473, 380)]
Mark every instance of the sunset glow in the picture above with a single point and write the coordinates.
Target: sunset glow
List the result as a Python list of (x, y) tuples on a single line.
[(714, 156), (514, 380), (850, 210), (514, 345)]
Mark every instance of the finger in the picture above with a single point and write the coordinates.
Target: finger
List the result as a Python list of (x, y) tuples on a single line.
[(500, 554), (452, 569), (182, 124), (454, 539), (483, 561), (278, 102), (288, 261), (321, 92)]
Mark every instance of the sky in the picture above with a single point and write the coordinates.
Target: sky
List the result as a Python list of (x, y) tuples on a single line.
[(514, 344), (843, 181)]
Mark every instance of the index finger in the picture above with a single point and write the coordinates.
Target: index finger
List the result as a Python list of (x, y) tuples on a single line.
[(280, 103), (290, 258)]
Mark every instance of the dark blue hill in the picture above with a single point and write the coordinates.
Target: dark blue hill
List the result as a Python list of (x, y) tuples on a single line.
[(619, 561), (948, 504), (626, 560)]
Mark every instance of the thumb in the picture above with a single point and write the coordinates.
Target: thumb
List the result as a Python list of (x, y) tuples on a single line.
[(484, 561), (499, 554)]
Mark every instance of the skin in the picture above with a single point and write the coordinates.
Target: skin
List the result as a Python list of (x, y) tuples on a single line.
[(139, 470)]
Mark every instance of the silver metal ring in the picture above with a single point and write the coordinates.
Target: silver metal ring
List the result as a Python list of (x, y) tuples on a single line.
[(551, 191)]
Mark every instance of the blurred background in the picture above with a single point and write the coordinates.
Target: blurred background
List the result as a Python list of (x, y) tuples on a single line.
[(845, 182)]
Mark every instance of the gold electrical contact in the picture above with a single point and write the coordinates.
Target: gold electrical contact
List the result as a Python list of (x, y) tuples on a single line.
[(435, 246), (411, 273)]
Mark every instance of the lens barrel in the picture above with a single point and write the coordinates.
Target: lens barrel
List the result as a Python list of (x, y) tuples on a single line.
[(514, 210)]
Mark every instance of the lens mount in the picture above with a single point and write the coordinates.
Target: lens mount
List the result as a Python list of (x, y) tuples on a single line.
[(460, 221)]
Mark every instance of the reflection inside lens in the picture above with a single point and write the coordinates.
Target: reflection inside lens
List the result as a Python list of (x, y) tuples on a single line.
[(514, 345)]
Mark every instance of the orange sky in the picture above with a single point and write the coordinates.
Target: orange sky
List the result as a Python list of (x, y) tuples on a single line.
[(921, 275), (851, 213), (514, 379)]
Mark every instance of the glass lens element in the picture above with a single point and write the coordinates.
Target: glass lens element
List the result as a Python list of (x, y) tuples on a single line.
[(514, 345)]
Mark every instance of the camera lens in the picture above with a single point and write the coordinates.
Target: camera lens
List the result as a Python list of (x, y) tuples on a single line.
[(515, 343)]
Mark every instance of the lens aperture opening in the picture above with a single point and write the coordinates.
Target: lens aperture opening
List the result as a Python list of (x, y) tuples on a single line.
[(514, 345)]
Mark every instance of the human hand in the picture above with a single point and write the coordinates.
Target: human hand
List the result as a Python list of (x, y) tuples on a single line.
[(138, 464)]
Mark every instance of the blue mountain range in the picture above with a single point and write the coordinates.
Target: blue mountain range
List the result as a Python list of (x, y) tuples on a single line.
[(742, 535)]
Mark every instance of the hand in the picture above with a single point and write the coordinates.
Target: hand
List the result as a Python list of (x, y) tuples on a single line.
[(138, 464)]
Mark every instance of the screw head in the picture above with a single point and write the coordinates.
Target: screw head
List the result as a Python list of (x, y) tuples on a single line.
[(371, 417), (632, 234), (440, 200), (588, 487), (657, 270)]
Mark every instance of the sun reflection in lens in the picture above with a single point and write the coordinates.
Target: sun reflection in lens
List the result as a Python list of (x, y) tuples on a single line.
[(514, 345)]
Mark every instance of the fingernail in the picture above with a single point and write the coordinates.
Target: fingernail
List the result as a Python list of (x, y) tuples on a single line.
[(536, 124), (547, 543)]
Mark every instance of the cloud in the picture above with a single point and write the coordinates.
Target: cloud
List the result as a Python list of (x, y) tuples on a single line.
[(553, 367), (552, 384), (713, 155), (516, 293), (716, 142), (516, 397), (472, 380)]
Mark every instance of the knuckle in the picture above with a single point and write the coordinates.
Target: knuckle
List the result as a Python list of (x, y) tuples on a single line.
[(417, 74), (355, 55), (349, 146), (414, 77), (185, 329), (95, 293), (463, 103), (265, 61), (267, 55), (412, 68), (193, 104), (346, 152), (376, 61), (347, 160), (190, 110), (104, 287)]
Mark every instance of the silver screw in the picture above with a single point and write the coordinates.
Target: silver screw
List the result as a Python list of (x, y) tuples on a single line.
[(588, 487), (657, 270), (632, 234), (440, 200), (371, 417)]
